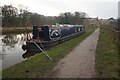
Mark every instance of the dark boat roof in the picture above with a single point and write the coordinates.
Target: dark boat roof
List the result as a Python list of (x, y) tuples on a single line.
[(64, 25)]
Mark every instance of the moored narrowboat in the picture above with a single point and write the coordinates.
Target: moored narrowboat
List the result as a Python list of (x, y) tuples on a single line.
[(51, 35)]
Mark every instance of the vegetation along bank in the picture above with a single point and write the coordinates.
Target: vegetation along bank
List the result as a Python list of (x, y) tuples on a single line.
[(38, 65)]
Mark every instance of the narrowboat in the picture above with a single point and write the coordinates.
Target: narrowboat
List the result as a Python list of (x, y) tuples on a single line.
[(50, 35)]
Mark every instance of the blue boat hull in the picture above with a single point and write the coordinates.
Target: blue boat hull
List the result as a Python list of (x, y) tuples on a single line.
[(30, 46)]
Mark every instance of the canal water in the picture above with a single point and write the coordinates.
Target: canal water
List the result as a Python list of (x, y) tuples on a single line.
[(11, 49)]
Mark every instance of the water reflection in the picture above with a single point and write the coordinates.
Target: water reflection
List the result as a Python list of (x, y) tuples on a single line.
[(11, 48), (28, 54)]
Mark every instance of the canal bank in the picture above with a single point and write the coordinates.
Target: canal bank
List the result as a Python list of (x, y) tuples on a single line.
[(107, 55), (38, 65), (7, 30)]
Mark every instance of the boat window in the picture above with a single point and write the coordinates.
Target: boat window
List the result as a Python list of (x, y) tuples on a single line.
[(78, 29), (75, 29)]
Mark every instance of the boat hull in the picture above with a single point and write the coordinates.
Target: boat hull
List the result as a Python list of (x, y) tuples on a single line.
[(45, 45)]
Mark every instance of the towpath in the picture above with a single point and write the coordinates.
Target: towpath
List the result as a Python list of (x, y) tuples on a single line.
[(80, 62)]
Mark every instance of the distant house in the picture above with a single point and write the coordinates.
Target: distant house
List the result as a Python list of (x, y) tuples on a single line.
[(112, 21), (104, 22), (94, 22), (99, 22), (109, 21)]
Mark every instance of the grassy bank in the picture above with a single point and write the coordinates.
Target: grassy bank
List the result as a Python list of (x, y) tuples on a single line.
[(106, 55), (15, 30), (36, 66)]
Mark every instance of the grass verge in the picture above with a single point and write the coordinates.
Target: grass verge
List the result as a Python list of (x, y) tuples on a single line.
[(106, 55), (36, 66)]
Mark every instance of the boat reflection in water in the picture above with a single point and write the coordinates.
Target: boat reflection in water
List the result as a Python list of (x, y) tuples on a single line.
[(11, 48), (29, 54)]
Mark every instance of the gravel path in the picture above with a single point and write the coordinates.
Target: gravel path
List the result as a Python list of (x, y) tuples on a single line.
[(79, 63)]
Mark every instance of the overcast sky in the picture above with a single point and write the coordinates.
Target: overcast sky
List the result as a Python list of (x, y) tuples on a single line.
[(119, 9), (94, 8)]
